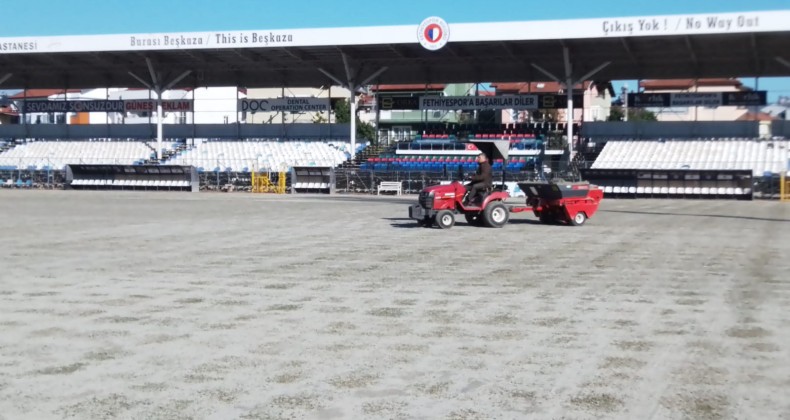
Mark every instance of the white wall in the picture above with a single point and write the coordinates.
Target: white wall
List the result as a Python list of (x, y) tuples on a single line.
[(215, 105)]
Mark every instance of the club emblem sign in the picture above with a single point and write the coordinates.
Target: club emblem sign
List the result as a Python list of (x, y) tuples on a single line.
[(433, 33)]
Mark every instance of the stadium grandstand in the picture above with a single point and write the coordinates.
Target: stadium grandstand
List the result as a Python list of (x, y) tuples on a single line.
[(550, 96), (759, 156)]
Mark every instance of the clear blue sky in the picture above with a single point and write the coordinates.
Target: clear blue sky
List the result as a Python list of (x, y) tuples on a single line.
[(88, 17)]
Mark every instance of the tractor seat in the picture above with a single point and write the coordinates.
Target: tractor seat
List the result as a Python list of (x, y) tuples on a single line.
[(482, 195)]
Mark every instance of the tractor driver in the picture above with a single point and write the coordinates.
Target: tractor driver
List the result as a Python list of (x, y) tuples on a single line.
[(481, 180)]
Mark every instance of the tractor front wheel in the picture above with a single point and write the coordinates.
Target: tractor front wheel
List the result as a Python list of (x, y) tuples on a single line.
[(445, 219), (496, 215)]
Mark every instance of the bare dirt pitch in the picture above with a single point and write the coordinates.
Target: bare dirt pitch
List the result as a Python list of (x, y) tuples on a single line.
[(132, 305)]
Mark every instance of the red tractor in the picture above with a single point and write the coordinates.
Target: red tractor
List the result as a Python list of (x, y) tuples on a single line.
[(571, 203), (438, 204)]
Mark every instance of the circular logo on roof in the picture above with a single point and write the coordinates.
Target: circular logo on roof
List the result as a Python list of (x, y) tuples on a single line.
[(433, 33)]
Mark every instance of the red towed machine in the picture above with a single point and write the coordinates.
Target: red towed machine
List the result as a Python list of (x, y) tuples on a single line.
[(552, 202)]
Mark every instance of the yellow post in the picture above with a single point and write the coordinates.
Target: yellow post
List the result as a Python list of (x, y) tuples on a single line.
[(784, 189), (281, 183)]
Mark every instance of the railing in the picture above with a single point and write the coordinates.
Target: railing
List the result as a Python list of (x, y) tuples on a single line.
[(451, 146), (365, 181), (42, 162), (349, 180)]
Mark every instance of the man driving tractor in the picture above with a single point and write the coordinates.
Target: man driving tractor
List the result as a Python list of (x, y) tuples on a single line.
[(481, 180)]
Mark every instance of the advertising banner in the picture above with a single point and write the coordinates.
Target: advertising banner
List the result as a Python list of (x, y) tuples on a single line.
[(142, 105), (450, 103), (686, 99), (518, 102), (285, 105)]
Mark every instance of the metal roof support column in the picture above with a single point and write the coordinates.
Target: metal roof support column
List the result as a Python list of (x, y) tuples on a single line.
[(156, 83), (167, 87), (24, 105), (238, 118), (568, 85), (377, 101), (569, 92), (159, 127), (352, 104), (352, 86), (193, 120), (158, 87), (107, 114)]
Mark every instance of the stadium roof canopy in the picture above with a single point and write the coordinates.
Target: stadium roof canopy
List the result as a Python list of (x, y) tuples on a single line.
[(748, 44)]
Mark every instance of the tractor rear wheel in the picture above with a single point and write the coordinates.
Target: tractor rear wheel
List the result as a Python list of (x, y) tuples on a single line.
[(445, 219), (496, 215)]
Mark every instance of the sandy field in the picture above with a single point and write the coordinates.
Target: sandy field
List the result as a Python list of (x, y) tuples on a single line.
[(123, 305)]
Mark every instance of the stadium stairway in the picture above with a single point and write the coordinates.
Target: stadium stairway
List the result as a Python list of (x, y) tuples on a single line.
[(366, 154), (179, 149), (152, 160), (6, 146), (173, 150)]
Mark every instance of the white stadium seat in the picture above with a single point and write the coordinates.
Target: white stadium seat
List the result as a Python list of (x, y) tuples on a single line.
[(746, 154), (58, 154), (267, 155), (273, 155)]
